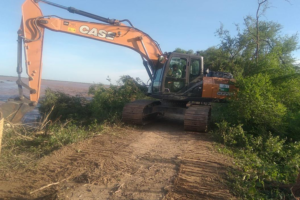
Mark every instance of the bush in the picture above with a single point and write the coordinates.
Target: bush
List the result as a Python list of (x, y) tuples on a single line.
[(233, 136), (107, 103), (266, 164), (255, 105), (261, 130), (65, 106)]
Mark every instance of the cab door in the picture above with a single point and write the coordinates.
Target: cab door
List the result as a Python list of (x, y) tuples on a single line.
[(195, 69), (176, 74)]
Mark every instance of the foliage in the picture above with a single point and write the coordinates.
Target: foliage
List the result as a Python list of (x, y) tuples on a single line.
[(265, 163), (108, 102), (256, 105), (179, 50), (23, 145), (58, 135), (106, 105), (73, 119), (259, 126), (65, 106)]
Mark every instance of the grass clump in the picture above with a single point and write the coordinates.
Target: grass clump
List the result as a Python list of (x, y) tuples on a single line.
[(24, 145)]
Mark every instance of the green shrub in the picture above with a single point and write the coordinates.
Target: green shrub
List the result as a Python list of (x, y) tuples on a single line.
[(106, 105), (292, 126), (255, 104), (65, 106), (233, 136), (265, 147), (108, 102), (265, 163), (58, 136)]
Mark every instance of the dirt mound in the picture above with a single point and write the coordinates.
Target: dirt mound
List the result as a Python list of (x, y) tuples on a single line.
[(159, 161)]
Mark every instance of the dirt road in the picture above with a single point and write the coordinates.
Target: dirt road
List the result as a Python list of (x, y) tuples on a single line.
[(158, 161)]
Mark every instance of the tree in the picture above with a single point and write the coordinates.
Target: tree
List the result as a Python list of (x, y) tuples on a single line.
[(179, 50)]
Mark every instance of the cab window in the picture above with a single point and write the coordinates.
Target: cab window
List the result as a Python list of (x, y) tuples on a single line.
[(176, 75), (195, 68)]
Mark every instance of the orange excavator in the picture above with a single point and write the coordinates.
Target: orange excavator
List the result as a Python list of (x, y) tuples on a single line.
[(179, 81)]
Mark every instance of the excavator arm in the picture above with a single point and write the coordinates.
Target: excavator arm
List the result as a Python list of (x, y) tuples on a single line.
[(31, 35)]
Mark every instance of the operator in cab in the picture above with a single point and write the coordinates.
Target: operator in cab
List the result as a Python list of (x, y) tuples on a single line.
[(174, 72)]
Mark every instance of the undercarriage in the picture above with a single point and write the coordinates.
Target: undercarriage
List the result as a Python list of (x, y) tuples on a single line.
[(141, 112)]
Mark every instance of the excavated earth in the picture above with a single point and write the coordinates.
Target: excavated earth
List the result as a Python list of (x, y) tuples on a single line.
[(157, 161)]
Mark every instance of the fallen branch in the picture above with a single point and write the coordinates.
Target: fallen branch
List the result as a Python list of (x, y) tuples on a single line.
[(16, 132), (46, 121), (47, 186), (119, 188)]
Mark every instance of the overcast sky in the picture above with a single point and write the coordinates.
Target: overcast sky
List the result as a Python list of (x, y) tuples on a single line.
[(187, 24)]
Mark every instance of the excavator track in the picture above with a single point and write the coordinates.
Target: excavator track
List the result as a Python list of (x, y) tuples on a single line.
[(196, 118), (140, 112)]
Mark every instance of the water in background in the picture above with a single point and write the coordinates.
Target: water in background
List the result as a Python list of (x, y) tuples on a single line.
[(9, 89)]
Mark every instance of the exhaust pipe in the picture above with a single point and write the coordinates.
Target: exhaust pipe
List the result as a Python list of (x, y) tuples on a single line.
[(202, 66)]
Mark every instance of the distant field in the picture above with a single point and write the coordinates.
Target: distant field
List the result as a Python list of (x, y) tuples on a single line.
[(8, 87)]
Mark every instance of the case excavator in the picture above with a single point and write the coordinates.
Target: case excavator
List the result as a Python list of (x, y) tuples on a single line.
[(179, 81)]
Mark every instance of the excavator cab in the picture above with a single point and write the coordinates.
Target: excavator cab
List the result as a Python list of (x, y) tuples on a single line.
[(181, 71), (183, 78), (178, 75)]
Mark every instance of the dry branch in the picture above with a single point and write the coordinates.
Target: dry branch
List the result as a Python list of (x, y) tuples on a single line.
[(46, 121), (46, 186)]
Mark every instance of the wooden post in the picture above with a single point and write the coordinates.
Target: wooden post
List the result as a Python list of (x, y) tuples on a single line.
[(1, 130)]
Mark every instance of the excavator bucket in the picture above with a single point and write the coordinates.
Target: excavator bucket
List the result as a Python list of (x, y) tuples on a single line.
[(14, 110)]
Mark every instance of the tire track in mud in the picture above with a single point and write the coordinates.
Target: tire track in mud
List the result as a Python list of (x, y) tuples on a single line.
[(158, 161)]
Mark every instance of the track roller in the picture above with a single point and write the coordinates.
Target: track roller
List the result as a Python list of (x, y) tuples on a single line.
[(140, 112), (196, 118)]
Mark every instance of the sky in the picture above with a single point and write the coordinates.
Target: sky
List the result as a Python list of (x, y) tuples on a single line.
[(186, 24)]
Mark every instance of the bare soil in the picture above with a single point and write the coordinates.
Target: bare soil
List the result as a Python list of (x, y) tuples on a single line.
[(158, 161)]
